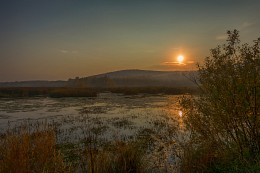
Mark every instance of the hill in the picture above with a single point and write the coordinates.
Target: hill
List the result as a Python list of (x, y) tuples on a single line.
[(136, 78), (122, 78)]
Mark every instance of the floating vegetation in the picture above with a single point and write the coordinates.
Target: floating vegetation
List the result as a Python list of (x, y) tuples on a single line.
[(122, 123), (93, 110)]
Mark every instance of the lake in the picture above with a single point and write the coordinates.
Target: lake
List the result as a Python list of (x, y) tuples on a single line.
[(110, 115)]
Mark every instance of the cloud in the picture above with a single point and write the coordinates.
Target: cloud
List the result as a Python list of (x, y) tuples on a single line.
[(246, 25), (242, 27), (221, 37), (176, 63), (171, 67), (172, 63), (64, 51)]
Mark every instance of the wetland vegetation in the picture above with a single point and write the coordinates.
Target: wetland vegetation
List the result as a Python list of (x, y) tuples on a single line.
[(57, 92)]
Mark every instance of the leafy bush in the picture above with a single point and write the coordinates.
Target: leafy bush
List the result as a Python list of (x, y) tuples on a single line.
[(224, 120)]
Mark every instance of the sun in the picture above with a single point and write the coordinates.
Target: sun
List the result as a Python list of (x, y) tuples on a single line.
[(180, 58)]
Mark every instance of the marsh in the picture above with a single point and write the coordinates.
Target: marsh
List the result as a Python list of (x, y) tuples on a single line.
[(113, 114)]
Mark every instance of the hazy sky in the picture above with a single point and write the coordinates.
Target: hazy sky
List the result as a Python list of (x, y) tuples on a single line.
[(61, 39)]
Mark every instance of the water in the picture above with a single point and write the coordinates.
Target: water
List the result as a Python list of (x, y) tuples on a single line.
[(108, 115)]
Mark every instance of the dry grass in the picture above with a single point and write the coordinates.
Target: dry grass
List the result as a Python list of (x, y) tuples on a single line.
[(30, 152), (120, 158), (29, 149)]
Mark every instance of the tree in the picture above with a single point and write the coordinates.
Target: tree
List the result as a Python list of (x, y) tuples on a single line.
[(226, 113)]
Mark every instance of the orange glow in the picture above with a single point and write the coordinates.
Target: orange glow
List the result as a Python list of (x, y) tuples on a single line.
[(180, 58), (180, 113)]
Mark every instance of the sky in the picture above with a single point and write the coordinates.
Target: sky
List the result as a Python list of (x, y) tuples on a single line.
[(62, 39)]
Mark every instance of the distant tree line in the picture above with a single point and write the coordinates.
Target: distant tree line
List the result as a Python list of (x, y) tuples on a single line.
[(89, 92)]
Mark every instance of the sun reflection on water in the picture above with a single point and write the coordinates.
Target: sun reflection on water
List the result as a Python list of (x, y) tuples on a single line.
[(181, 125), (180, 114)]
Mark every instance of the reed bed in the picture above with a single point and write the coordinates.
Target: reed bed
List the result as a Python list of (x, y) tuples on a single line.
[(24, 151)]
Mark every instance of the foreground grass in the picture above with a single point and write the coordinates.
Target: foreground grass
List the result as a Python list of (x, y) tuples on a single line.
[(28, 150), (31, 152)]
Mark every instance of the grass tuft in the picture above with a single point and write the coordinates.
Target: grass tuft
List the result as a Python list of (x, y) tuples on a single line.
[(26, 152)]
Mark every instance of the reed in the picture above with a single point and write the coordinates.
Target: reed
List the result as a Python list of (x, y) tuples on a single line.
[(26, 152)]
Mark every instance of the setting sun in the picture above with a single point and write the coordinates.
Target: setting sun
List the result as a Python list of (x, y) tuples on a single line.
[(180, 58)]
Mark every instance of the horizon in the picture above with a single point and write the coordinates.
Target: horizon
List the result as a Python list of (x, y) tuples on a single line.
[(39, 80), (59, 40)]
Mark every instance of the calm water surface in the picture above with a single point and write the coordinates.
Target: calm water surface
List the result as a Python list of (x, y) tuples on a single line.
[(108, 114)]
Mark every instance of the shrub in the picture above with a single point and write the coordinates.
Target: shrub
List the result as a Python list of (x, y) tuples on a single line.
[(225, 117)]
